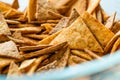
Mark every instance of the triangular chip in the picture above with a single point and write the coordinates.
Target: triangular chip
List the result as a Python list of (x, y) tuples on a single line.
[(66, 21), (47, 67), (102, 34), (63, 61), (15, 4), (115, 46), (47, 11), (110, 21), (4, 62), (92, 4), (99, 14), (48, 39), (25, 65), (78, 36), (116, 27), (9, 49), (13, 71), (3, 26), (31, 10), (79, 5)]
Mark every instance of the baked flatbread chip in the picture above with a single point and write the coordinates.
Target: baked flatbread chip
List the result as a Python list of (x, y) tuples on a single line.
[(115, 46), (3, 26), (13, 72), (99, 14), (25, 65), (92, 4), (46, 11), (9, 49), (15, 4), (116, 27), (5, 62), (80, 6), (31, 10), (110, 21), (78, 36), (48, 39), (102, 34)]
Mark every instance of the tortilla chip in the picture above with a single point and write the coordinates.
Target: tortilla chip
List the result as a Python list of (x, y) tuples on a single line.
[(116, 27), (3, 26), (80, 6), (45, 51), (25, 65), (109, 45), (98, 29), (31, 10), (47, 11), (115, 46), (9, 49), (81, 54), (48, 27), (48, 39), (92, 4), (110, 21), (78, 36), (15, 4), (31, 48)]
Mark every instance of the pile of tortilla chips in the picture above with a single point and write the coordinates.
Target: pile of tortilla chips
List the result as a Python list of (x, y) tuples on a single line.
[(51, 34)]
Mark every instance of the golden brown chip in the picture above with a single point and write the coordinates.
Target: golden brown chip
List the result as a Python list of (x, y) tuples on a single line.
[(3, 26), (62, 23), (98, 29), (99, 14), (47, 11), (111, 42), (5, 62), (37, 36), (13, 71), (92, 54), (30, 48), (9, 49), (81, 54), (115, 46), (45, 51), (25, 65), (15, 4), (49, 66), (94, 14), (104, 14), (78, 36), (80, 6), (48, 39), (36, 64), (116, 27), (27, 29), (92, 4), (110, 21), (12, 22), (31, 10)]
